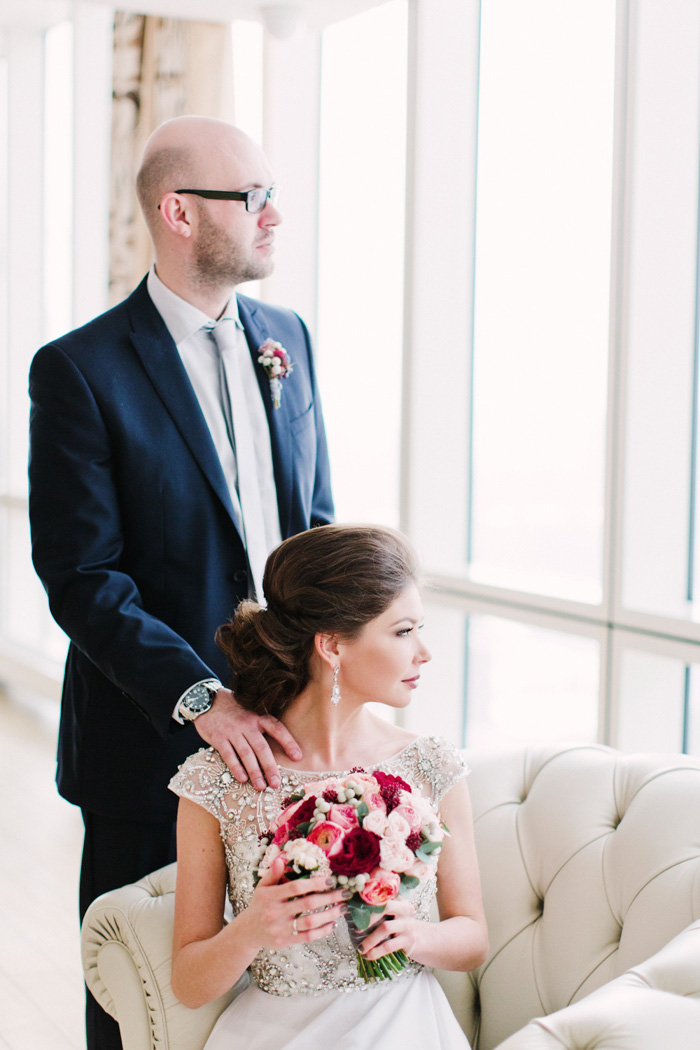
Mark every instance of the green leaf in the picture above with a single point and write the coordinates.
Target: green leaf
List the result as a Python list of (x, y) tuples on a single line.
[(430, 847), (361, 912), (305, 828), (362, 810), (408, 883)]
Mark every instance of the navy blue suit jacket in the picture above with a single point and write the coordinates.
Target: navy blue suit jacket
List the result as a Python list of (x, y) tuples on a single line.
[(134, 537)]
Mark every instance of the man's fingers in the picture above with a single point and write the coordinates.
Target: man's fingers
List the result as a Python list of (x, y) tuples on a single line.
[(273, 727), (231, 759), (247, 757), (259, 754)]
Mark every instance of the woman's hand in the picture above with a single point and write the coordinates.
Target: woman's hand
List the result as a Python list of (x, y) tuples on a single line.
[(398, 929), (284, 913)]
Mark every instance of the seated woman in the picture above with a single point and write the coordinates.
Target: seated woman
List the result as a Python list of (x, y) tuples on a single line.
[(341, 631)]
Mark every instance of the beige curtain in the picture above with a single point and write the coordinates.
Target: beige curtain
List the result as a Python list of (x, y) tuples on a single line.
[(163, 68)]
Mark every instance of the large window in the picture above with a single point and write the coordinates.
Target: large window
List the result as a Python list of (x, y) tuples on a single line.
[(568, 535), (541, 312), (361, 251)]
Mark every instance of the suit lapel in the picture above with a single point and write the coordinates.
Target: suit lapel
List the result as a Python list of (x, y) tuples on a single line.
[(159, 357), (256, 331)]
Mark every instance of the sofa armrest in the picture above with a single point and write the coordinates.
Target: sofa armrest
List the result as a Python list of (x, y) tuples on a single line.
[(127, 952), (653, 1006)]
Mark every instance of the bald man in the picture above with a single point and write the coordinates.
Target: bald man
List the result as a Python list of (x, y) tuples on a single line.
[(164, 466)]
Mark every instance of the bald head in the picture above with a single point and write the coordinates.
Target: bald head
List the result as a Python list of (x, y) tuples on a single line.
[(191, 151)]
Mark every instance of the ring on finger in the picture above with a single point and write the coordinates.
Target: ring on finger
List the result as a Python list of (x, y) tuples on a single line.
[(295, 931)]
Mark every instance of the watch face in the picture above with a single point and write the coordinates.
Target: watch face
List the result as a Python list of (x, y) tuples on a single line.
[(198, 700)]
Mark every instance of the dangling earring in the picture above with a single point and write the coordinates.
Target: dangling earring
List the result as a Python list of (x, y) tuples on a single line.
[(335, 695)]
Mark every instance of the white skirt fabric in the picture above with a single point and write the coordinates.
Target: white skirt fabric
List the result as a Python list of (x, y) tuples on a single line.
[(410, 1012)]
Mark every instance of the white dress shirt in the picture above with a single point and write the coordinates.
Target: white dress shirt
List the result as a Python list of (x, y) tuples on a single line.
[(190, 329)]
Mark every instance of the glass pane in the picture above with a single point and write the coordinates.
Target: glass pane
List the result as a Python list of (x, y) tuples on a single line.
[(361, 246), (651, 707), (544, 192), (527, 683), (494, 682)]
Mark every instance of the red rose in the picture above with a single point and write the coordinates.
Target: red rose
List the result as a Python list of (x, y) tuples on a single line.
[(358, 853), (387, 780)]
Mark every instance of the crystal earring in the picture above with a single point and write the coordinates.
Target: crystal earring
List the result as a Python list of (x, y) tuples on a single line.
[(335, 695)]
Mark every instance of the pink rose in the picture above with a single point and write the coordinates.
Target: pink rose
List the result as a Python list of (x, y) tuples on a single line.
[(368, 782), (325, 835), (374, 800), (397, 826), (395, 855), (375, 821), (410, 814), (344, 816), (382, 886)]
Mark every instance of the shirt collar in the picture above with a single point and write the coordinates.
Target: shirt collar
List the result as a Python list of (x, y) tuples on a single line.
[(181, 318)]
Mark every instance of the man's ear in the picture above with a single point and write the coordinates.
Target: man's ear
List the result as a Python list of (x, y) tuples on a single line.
[(326, 646), (176, 214)]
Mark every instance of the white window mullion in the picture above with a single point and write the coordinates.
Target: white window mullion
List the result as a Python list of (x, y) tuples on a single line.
[(92, 94), (438, 319), (291, 141), (25, 234)]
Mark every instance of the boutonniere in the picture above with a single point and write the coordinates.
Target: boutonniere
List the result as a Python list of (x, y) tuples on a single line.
[(275, 360)]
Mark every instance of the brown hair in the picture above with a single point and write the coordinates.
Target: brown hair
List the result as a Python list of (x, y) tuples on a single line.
[(332, 579)]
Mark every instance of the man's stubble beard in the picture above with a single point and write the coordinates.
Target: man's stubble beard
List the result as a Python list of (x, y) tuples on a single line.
[(220, 262)]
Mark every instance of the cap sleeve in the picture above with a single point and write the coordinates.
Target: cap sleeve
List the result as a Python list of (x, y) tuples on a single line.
[(205, 779), (436, 763)]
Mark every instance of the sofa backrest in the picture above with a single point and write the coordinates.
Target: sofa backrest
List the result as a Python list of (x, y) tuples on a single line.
[(590, 863)]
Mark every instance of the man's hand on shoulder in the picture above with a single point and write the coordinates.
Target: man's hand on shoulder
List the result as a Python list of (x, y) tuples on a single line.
[(239, 737)]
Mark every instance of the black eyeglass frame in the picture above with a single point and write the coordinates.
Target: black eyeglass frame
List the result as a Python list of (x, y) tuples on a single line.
[(271, 194)]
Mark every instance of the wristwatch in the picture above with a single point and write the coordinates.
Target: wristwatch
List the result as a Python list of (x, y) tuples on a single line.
[(198, 699)]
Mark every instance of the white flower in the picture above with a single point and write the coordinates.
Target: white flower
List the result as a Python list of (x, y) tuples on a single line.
[(307, 856), (375, 821)]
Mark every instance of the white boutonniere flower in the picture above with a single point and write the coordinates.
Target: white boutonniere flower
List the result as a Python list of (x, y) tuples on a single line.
[(275, 360)]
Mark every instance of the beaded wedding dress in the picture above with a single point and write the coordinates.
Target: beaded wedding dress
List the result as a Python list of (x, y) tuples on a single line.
[(309, 996)]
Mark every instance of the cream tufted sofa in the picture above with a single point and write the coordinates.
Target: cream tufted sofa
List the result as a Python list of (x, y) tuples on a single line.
[(590, 863)]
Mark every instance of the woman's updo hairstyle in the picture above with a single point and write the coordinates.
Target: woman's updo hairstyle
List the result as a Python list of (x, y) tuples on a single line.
[(332, 579)]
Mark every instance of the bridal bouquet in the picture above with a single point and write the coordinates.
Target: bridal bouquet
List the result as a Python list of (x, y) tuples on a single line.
[(371, 834)]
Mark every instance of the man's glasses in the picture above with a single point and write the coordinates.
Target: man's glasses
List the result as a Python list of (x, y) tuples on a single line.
[(255, 200)]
